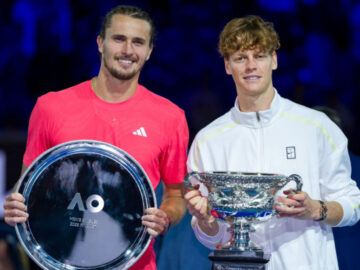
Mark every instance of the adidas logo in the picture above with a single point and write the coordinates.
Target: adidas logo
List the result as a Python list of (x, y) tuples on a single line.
[(140, 132)]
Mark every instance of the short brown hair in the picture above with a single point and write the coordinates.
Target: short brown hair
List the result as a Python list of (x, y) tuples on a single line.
[(246, 33), (130, 11)]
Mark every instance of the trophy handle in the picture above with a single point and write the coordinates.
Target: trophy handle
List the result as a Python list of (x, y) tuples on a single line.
[(298, 180), (187, 181), (299, 183)]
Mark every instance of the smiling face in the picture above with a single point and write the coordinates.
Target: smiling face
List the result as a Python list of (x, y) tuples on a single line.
[(126, 47), (252, 71)]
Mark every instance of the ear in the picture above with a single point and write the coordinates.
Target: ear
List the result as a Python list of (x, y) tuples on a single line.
[(227, 67), (99, 42), (274, 60), (149, 52)]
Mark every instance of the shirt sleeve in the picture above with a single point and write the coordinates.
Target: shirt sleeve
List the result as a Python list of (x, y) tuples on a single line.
[(211, 242), (335, 178), (38, 139), (173, 161)]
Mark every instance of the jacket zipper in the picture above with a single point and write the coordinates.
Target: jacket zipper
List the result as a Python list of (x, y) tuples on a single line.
[(261, 165)]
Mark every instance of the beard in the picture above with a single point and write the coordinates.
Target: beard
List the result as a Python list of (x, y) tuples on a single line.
[(121, 75)]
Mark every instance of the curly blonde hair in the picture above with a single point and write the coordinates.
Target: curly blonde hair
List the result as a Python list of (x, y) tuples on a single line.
[(247, 33)]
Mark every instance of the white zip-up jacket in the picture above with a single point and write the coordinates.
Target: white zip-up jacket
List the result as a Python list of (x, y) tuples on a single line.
[(287, 139)]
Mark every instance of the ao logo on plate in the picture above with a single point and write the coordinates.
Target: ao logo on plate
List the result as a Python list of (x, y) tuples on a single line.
[(77, 201)]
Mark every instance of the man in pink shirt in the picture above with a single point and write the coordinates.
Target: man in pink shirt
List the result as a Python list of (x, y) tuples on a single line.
[(115, 109)]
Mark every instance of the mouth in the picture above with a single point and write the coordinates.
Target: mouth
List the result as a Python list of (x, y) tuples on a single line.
[(126, 62), (252, 78)]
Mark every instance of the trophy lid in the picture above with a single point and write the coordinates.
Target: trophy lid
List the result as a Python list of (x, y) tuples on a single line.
[(85, 201)]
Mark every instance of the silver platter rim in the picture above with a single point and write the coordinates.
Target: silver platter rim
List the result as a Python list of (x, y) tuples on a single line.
[(22, 229)]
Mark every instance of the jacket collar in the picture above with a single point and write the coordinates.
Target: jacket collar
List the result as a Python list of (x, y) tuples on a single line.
[(257, 119)]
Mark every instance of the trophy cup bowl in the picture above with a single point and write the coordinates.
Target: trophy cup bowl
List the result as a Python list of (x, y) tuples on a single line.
[(242, 199)]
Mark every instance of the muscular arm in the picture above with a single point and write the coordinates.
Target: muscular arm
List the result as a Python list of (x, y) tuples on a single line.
[(172, 206), (173, 203), (23, 169)]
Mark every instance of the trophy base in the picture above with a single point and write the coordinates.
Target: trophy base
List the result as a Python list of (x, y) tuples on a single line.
[(238, 260)]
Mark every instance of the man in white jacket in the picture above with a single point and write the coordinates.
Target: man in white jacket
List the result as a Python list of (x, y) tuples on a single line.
[(266, 133)]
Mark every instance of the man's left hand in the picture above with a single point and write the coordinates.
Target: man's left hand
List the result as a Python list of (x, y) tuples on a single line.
[(156, 221), (298, 204)]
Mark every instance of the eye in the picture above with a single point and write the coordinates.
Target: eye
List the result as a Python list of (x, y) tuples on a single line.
[(262, 55), (239, 59), (139, 42), (118, 38)]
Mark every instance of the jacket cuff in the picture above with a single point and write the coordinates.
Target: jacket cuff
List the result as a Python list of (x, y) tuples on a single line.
[(210, 242), (348, 210)]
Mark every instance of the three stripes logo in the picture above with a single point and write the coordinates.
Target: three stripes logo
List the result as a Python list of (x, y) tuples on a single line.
[(140, 132)]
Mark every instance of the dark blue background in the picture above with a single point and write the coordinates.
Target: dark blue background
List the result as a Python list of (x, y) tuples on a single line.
[(49, 45)]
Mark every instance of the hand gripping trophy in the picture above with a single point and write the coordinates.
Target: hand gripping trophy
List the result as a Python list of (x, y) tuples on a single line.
[(241, 199)]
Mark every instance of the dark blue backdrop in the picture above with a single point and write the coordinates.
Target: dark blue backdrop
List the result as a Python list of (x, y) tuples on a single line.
[(50, 45)]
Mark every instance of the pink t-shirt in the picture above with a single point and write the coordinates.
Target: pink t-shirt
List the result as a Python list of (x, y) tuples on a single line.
[(148, 127)]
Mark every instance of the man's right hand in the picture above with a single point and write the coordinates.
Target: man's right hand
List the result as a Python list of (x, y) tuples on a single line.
[(15, 209), (197, 206)]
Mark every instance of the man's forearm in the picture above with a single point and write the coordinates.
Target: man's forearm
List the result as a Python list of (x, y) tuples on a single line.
[(335, 213), (23, 169), (332, 211), (209, 226), (174, 207)]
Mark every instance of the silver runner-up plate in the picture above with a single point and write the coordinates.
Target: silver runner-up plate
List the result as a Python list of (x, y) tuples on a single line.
[(85, 201)]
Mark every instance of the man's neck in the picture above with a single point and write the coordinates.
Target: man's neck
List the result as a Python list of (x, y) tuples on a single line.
[(113, 90), (255, 103)]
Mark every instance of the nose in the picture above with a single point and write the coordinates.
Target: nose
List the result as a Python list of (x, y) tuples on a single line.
[(127, 48), (251, 64)]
